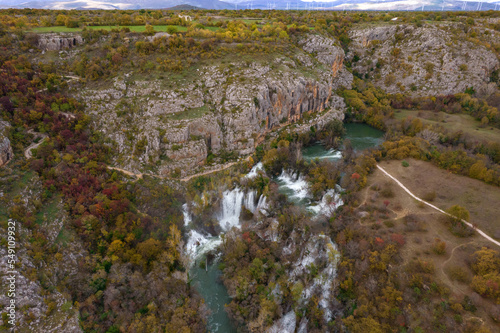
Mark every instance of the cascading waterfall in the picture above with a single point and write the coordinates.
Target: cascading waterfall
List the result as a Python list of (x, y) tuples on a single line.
[(251, 205), (318, 250), (229, 216), (185, 213), (254, 171), (249, 201), (232, 202), (328, 204), (198, 244), (319, 152), (295, 186), (297, 190)]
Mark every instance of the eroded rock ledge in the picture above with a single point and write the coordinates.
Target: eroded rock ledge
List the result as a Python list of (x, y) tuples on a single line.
[(173, 127)]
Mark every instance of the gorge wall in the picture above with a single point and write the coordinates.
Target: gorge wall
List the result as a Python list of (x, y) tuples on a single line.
[(427, 60), (173, 126)]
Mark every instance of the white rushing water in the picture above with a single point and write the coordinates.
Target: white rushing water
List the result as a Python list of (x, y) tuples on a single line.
[(296, 186), (317, 249), (254, 171), (331, 154), (185, 213), (228, 217), (297, 190), (328, 204), (232, 201), (199, 244)]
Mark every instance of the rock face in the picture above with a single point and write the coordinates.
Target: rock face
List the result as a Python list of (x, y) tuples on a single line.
[(40, 307), (421, 61), (229, 108), (56, 42), (6, 153)]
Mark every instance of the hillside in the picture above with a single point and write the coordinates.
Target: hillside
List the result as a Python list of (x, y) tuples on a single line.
[(189, 170)]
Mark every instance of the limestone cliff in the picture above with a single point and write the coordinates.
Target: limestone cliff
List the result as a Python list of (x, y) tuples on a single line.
[(56, 42), (421, 61), (228, 108)]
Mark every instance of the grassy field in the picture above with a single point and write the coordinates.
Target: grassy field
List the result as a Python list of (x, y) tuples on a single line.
[(480, 199), (385, 206), (189, 114), (453, 122), (135, 28)]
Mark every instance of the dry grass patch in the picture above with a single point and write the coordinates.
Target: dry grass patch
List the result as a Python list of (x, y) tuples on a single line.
[(426, 180)]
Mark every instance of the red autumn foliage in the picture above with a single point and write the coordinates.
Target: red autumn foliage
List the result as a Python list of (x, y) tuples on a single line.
[(399, 239)]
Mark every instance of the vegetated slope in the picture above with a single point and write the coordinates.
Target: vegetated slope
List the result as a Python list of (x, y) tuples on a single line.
[(432, 59), (226, 106), (135, 263)]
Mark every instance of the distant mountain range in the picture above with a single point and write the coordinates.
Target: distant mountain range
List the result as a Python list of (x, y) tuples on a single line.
[(257, 4)]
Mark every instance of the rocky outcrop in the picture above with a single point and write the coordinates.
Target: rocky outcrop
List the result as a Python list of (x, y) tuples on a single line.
[(229, 108), (40, 306), (326, 50), (56, 42), (158, 35), (420, 61), (6, 153)]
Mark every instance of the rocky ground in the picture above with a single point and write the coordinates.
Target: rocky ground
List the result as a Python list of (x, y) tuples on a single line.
[(171, 127), (436, 59), (41, 305)]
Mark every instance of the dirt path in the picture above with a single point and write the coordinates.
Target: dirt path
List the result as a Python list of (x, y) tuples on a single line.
[(185, 179), (27, 151), (444, 276), (483, 234), (223, 167), (129, 173), (71, 78)]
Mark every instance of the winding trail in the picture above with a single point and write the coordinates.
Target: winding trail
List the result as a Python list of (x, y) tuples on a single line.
[(71, 78), (27, 151), (223, 167), (482, 233), (185, 179)]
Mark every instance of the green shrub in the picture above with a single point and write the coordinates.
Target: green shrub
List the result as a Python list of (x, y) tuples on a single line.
[(429, 196), (405, 164)]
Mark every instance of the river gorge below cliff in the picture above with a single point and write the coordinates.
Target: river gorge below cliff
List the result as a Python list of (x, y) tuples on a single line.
[(207, 279)]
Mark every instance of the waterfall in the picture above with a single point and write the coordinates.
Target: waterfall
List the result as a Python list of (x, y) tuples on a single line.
[(199, 244), (232, 203), (250, 201), (329, 203), (254, 171), (185, 213), (228, 217), (332, 154), (285, 325), (231, 209), (296, 185), (262, 204)]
